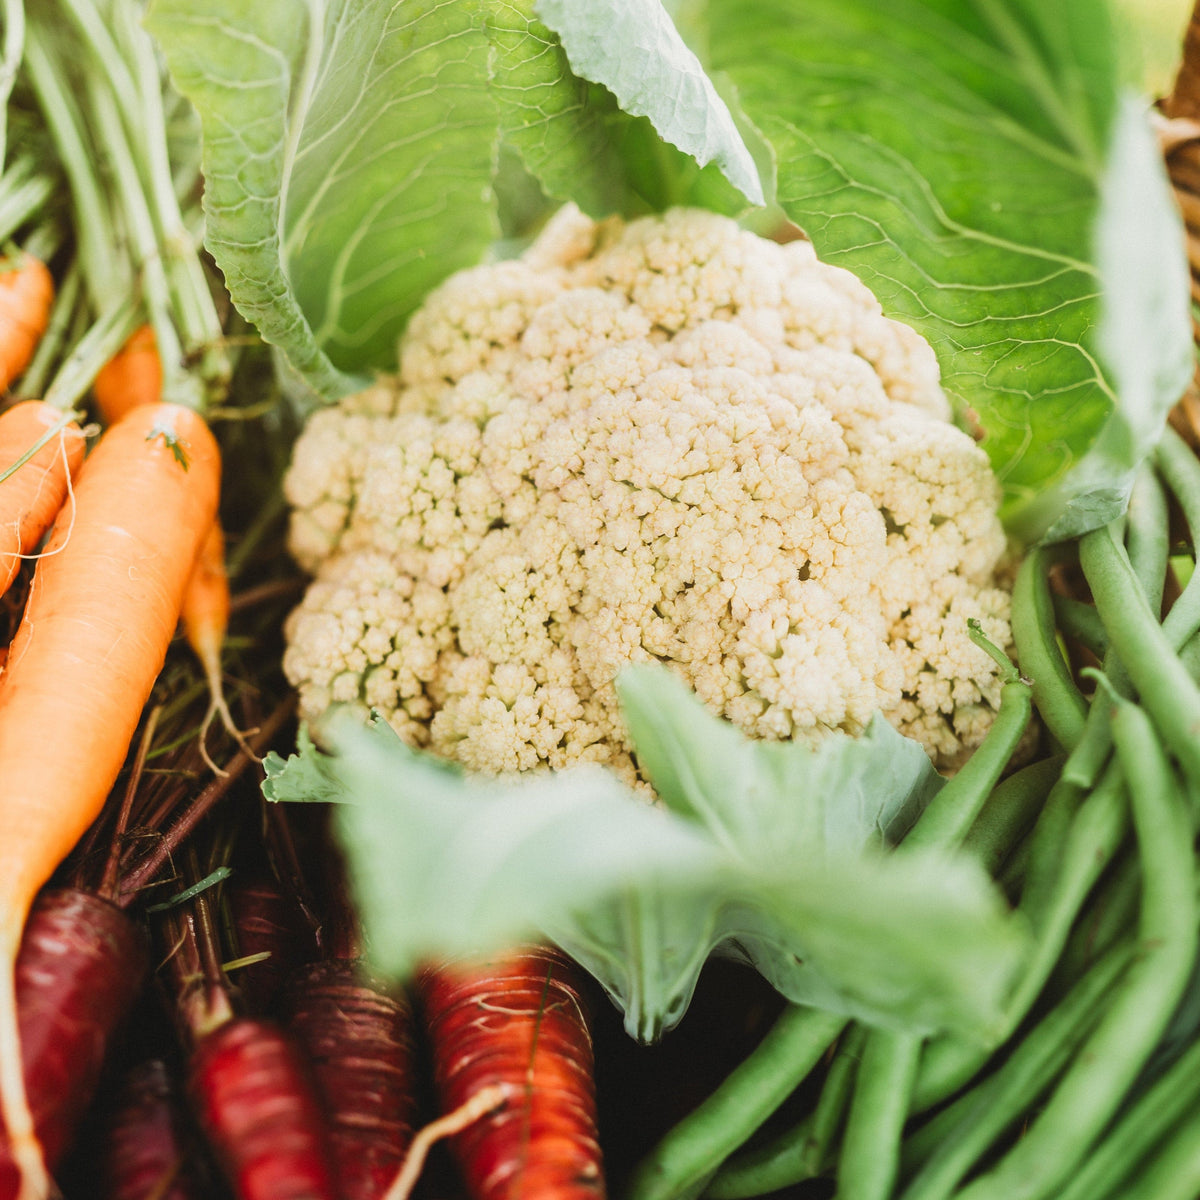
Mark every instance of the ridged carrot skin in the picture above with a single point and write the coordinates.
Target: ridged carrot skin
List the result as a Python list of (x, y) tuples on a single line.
[(359, 1040), (131, 377), (31, 497), (257, 1105), (81, 965), (103, 606), (520, 1022), (145, 1151), (26, 296)]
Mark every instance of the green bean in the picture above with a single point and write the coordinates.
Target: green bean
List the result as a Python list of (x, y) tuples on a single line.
[(1111, 913), (870, 1156), (799, 1153), (690, 1153), (1079, 621), (1091, 755), (1092, 1089), (1181, 470), (1059, 702), (1161, 679), (1090, 843), (953, 810), (1010, 811), (1147, 537), (1173, 1173), (989, 1109), (1172, 1096)]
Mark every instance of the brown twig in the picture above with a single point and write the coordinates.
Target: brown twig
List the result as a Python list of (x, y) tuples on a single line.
[(137, 878)]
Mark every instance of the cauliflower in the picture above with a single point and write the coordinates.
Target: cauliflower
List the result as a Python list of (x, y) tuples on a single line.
[(668, 439)]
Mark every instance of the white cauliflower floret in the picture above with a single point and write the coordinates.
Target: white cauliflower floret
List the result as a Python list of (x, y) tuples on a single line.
[(664, 440)]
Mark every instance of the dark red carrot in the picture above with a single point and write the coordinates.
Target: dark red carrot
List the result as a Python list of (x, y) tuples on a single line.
[(266, 919), (145, 1152), (518, 1022), (250, 1087), (80, 966), (255, 1101), (359, 1040)]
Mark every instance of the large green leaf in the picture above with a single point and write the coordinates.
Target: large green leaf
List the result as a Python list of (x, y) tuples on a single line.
[(957, 155), (348, 150), (633, 48), (579, 143), (777, 872)]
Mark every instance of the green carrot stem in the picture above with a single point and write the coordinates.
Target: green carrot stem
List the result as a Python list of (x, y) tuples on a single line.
[(953, 810), (94, 349), (22, 193), (1087, 1097), (104, 269), (1162, 681), (138, 99), (869, 1162), (961, 1135), (177, 386), (10, 62), (691, 1152), (1059, 702), (1010, 811), (1170, 1099)]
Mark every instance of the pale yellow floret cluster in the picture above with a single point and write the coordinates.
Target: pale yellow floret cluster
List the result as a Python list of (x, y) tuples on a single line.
[(664, 440)]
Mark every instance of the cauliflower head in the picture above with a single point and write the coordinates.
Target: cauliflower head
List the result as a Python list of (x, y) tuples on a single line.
[(668, 439)]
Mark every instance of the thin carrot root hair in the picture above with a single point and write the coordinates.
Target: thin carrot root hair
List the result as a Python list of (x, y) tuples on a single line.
[(520, 1019), (483, 1103), (40, 451), (24, 1146), (205, 620)]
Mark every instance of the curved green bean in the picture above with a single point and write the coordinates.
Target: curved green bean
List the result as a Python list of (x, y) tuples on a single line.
[(689, 1155), (1098, 1080)]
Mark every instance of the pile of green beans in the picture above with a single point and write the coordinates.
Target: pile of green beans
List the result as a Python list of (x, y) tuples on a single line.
[(1081, 1094)]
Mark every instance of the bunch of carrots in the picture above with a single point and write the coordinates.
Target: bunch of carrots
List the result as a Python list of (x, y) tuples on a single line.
[(298, 1069)]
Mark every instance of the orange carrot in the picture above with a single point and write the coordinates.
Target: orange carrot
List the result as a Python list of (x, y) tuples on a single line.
[(26, 294), (131, 377), (30, 498), (205, 619), (105, 601)]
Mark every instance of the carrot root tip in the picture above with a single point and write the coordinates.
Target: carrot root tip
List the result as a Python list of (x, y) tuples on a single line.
[(484, 1102)]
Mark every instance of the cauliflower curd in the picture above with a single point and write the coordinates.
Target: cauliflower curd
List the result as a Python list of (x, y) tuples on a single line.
[(669, 439)]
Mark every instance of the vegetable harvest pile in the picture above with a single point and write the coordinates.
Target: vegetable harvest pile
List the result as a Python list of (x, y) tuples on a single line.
[(682, 521)]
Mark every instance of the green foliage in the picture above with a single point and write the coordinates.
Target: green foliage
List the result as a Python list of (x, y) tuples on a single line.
[(974, 166), (770, 852), (350, 151)]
